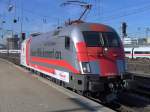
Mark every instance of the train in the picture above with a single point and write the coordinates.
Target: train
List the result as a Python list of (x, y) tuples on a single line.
[(137, 52), (86, 57), (3, 51)]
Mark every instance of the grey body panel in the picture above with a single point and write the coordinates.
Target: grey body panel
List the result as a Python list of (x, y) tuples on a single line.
[(56, 46)]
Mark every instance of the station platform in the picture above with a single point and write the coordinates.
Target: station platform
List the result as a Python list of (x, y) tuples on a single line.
[(21, 91)]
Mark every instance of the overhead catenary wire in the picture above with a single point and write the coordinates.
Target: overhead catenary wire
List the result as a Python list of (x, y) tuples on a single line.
[(105, 18), (125, 14), (114, 15)]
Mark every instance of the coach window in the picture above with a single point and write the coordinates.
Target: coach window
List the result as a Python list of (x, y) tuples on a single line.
[(138, 52), (67, 42), (127, 52)]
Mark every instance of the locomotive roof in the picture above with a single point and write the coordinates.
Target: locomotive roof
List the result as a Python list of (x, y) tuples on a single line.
[(89, 27), (73, 31), (81, 27)]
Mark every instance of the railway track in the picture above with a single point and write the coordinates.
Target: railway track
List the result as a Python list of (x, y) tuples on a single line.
[(137, 103), (127, 102), (138, 65)]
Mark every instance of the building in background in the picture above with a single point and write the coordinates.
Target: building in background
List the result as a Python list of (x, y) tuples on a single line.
[(127, 41), (148, 40), (2, 46), (130, 41), (13, 43), (142, 41), (136, 42)]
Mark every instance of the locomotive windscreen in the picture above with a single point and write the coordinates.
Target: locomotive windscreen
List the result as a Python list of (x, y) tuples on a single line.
[(101, 39)]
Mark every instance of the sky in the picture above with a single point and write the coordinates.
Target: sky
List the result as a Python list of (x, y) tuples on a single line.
[(46, 15)]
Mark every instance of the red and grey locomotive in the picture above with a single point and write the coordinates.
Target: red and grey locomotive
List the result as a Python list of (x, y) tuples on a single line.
[(86, 57)]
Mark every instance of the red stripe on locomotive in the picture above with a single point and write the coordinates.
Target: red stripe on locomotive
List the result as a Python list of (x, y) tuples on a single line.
[(42, 68), (61, 63)]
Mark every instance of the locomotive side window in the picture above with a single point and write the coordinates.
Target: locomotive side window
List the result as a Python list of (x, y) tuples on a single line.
[(98, 39), (67, 42)]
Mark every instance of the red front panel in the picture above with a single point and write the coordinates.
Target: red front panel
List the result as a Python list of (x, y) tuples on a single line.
[(106, 57), (60, 63), (108, 68)]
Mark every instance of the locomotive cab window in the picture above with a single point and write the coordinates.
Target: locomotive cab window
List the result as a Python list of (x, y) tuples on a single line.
[(101, 39), (67, 42)]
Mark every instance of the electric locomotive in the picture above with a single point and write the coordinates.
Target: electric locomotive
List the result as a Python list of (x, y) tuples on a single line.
[(86, 57)]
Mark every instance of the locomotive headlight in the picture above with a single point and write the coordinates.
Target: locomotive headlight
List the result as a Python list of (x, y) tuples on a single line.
[(86, 67)]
